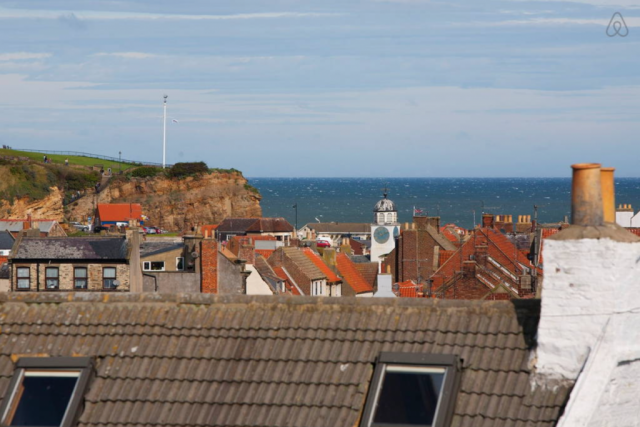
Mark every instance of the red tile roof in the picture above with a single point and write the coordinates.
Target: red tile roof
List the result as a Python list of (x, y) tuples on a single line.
[(121, 212), (265, 252), (351, 275), (634, 230), (408, 289), (315, 258), (287, 281)]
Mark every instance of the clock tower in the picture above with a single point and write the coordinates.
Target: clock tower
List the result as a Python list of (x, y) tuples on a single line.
[(384, 229)]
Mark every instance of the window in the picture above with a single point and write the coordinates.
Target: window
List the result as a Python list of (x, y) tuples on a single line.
[(80, 277), (179, 263), (46, 391), (109, 278), (412, 390), (51, 278), (153, 266), (24, 277)]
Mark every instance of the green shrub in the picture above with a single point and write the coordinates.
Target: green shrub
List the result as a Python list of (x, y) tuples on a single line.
[(145, 172), (181, 170), (251, 188)]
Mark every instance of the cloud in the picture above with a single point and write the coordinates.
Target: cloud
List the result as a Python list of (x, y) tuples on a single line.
[(72, 21), (16, 56), (631, 22), (128, 55), (6, 13)]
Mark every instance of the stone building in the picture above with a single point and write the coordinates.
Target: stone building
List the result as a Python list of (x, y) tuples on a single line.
[(102, 264)]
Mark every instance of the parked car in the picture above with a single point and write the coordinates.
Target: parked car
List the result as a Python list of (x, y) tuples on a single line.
[(323, 244), (150, 230), (80, 227), (99, 228), (158, 230)]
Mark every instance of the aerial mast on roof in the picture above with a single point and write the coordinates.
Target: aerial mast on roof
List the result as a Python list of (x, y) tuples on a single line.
[(164, 133)]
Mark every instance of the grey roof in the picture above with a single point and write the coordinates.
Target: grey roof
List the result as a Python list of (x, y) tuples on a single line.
[(340, 227), (6, 240), (303, 262), (63, 248), (198, 359), (19, 225), (385, 205), (153, 248)]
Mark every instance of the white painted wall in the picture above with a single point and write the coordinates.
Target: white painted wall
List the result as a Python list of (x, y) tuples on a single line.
[(623, 218), (255, 284), (590, 329), (385, 283)]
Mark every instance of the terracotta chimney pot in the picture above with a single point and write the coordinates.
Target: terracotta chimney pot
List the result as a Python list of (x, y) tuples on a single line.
[(586, 195), (608, 194)]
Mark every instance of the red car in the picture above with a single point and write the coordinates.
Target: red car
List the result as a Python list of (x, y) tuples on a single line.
[(323, 244)]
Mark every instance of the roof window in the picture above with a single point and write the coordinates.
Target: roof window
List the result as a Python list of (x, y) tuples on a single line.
[(46, 391), (412, 390)]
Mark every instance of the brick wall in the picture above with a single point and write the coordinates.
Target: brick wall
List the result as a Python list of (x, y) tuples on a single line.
[(209, 266)]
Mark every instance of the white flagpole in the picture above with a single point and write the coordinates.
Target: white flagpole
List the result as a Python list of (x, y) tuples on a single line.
[(164, 133)]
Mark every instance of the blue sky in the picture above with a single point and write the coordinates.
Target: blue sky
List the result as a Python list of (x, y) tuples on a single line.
[(389, 88)]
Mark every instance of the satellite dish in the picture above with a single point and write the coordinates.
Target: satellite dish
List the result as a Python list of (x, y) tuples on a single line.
[(195, 254), (116, 283)]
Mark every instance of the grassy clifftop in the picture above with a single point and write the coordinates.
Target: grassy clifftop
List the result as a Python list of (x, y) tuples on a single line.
[(30, 179)]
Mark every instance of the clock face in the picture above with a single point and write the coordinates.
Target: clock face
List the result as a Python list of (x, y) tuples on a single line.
[(381, 235)]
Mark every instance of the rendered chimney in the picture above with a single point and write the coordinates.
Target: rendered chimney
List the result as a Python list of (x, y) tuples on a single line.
[(589, 329)]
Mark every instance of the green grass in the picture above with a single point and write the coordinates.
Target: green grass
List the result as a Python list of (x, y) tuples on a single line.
[(73, 160)]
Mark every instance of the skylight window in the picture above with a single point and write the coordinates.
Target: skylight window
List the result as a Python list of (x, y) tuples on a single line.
[(411, 390), (46, 392)]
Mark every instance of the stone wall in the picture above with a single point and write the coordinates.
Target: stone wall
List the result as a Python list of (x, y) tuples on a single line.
[(171, 282), (66, 278)]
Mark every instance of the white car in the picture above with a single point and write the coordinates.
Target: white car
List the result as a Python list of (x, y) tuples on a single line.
[(79, 226)]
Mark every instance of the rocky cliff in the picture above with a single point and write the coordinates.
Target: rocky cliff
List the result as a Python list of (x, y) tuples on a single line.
[(172, 204), (178, 204)]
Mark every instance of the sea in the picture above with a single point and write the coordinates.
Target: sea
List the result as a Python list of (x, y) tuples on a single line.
[(456, 200)]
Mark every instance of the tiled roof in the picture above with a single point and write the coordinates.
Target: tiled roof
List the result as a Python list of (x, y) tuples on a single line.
[(67, 248), (293, 289), (265, 252), (199, 360), (121, 212), (6, 240), (408, 289), (350, 273), (368, 270), (634, 230), (340, 227), (317, 261), (304, 263)]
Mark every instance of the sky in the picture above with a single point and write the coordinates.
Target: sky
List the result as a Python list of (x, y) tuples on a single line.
[(327, 88)]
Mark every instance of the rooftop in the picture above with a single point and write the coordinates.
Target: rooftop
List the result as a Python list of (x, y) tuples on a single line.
[(197, 359), (62, 248)]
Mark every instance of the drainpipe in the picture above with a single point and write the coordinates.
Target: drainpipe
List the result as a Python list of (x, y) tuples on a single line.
[(608, 194), (586, 195)]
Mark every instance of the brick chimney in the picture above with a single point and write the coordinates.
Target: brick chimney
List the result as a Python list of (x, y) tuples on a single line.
[(487, 220), (590, 322)]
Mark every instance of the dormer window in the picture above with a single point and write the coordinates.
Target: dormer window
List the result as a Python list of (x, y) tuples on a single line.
[(412, 390), (46, 391)]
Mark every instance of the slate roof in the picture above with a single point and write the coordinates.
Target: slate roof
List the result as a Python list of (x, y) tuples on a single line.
[(6, 240), (206, 360), (254, 225), (340, 227), (17, 225), (69, 248), (149, 248)]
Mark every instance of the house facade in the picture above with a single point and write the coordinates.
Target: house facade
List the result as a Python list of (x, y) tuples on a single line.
[(73, 264)]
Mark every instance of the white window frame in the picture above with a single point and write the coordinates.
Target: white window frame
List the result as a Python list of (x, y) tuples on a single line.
[(146, 265)]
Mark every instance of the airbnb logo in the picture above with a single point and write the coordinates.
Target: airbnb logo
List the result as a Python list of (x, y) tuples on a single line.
[(617, 26)]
